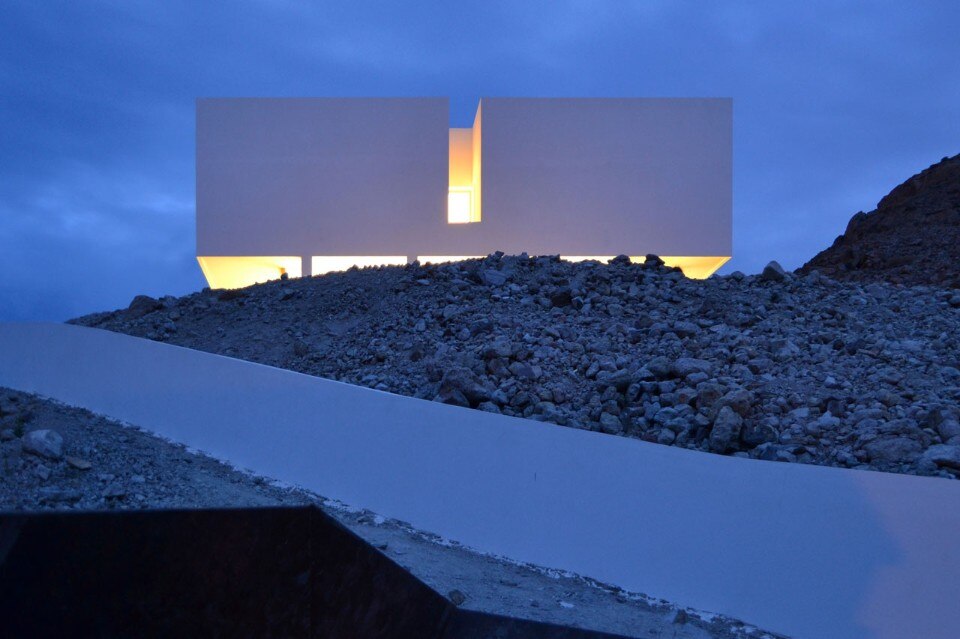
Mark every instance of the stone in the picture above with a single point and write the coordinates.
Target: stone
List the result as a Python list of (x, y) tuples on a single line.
[(757, 434), (143, 305), (666, 437), (43, 443), (493, 277), (689, 365), (943, 456), (114, 491), (660, 367), (893, 450), (53, 494), (708, 393), (653, 261), (79, 464), (500, 347), (450, 311), (739, 400), (619, 379), (452, 396), (726, 430), (773, 272), (948, 429), (7, 434), (825, 423), (562, 297), (464, 382), (610, 424), (685, 329), (525, 371), (456, 597)]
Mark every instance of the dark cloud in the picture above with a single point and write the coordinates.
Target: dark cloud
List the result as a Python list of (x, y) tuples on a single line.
[(834, 102)]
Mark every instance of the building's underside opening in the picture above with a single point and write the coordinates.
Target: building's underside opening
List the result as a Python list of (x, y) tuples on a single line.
[(239, 272), (698, 267)]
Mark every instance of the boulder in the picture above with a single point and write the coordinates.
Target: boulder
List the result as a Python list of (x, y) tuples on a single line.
[(943, 456), (43, 443), (561, 297), (773, 272), (493, 277), (610, 424), (893, 450), (688, 365), (143, 305), (466, 383), (726, 430)]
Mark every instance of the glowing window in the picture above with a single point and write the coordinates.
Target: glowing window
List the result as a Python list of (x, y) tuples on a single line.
[(321, 264), (460, 205)]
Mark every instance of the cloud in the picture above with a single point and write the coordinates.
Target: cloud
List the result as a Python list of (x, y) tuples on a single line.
[(834, 104)]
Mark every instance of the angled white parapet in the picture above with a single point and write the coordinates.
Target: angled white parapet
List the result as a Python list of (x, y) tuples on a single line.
[(376, 180), (804, 550)]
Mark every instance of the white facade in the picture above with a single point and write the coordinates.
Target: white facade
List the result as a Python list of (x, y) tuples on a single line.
[(307, 185)]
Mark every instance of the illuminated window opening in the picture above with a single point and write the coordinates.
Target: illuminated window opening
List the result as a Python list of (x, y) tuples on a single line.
[(320, 264), (696, 267), (243, 271), (460, 205), (443, 259), (463, 198)]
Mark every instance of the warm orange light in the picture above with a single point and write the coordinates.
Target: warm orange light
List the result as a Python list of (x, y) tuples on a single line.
[(697, 267), (441, 259), (463, 204), (460, 205), (321, 264), (239, 272)]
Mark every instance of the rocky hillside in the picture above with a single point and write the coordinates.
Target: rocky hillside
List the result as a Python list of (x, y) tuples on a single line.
[(913, 236), (771, 366)]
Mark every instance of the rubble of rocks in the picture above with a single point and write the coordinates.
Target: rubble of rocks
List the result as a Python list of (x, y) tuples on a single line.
[(913, 236), (56, 457), (772, 366)]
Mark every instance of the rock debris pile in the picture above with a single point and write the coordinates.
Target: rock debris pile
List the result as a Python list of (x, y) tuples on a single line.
[(913, 236), (772, 366)]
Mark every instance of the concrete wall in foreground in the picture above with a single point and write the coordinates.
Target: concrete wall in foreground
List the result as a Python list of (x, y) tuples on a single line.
[(807, 551)]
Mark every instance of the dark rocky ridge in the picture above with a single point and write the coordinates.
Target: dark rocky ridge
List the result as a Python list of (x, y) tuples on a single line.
[(913, 236), (771, 366)]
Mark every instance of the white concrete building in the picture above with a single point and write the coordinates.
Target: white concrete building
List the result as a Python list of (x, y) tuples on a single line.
[(308, 185)]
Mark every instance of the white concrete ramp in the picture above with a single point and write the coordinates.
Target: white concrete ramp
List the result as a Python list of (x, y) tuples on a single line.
[(802, 550)]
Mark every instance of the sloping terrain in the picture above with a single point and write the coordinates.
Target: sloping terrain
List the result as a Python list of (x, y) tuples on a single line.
[(772, 366), (913, 236), (94, 463)]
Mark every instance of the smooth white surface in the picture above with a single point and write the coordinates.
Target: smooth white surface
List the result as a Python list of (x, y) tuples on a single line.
[(370, 176), (803, 550), (319, 176)]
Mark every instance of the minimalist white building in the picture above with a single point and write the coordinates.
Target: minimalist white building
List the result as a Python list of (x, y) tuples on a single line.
[(308, 185)]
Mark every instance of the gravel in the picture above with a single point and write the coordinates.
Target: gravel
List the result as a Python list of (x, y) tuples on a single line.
[(772, 366)]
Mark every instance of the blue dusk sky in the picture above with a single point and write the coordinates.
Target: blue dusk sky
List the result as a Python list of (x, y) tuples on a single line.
[(834, 104)]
